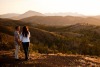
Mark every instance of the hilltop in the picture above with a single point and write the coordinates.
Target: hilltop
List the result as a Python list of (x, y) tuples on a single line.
[(27, 14)]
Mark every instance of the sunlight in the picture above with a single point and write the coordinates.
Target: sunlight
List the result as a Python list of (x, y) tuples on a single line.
[(87, 7)]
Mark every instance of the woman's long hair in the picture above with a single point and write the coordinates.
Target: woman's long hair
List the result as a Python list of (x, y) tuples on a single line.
[(25, 31)]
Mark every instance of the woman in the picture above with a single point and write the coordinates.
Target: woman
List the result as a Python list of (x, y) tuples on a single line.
[(25, 38), (17, 41)]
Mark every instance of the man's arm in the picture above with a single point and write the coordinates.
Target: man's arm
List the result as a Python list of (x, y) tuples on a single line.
[(17, 38)]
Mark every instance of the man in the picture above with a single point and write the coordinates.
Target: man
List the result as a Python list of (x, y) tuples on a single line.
[(17, 41)]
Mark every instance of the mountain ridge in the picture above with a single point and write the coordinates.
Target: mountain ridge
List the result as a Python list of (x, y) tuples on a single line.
[(31, 13), (16, 16), (9, 15), (61, 21), (27, 14)]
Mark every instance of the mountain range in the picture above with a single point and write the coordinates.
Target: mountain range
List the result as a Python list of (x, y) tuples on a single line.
[(31, 13), (55, 19)]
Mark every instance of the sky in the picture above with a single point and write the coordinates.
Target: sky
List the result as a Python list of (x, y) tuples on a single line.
[(85, 7)]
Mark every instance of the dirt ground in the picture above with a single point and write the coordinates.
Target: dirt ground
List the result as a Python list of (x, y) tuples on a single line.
[(50, 60)]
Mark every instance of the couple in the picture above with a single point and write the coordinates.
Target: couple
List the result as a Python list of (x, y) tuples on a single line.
[(24, 38)]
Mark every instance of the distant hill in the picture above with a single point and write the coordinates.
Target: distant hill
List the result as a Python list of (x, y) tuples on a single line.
[(61, 21), (15, 16), (27, 14), (9, 15), (61, 17)]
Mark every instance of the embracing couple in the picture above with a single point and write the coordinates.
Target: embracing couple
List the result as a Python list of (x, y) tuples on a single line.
[(23, 38)]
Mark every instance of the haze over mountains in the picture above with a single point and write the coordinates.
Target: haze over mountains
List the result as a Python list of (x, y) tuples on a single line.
[(53, 19), (34, 13)]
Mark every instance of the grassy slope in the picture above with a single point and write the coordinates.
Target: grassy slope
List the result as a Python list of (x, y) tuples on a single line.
[(78, 38)]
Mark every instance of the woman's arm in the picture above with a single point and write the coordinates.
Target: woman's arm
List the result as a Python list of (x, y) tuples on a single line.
[(29, 34)]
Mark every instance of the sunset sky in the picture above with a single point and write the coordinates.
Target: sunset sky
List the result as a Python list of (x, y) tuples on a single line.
[(86, 7)]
